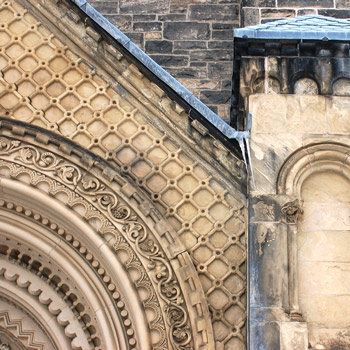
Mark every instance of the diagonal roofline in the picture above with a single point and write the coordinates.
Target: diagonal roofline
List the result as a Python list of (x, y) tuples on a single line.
[(228, 131), (307, 27)]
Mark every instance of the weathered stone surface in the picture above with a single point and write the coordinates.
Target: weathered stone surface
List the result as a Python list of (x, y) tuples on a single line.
[(264, 208), (147, 26), (143, 18), (335, 338), (193, 44), (320, 216), (181, 52), (223, 26), (226, 84), (328, 245), (268, 246), (341, 87), (170, 60), (339, 116), (305, 3), (186, 31), (215, 97), (200, 84), (324, 278), (305, 86), (196, 73), (342, 3), (213, 12), (123, 22), (294, 335), (143, 6), (105, 7), (219, 69), (303, 12), (211, 55), (266, 160), (159, 46), (345, 14), (327, 186), (267, 333), (323, 257), (137, 38), (198, 64), (259, 3), (172, 17), (289, 114), (178, 8), (332, 311), (152, 35), (251, 16), (222, 34), (276, 13)]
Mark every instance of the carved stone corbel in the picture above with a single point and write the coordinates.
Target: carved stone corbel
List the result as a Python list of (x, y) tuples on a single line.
[(4, 346), (292, 211)]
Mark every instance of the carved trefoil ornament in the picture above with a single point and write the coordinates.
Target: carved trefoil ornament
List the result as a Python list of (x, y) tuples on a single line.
[(292, 211)]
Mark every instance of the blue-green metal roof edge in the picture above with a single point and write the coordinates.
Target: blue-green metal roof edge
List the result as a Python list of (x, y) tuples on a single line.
[(161, 74), (308, 27)]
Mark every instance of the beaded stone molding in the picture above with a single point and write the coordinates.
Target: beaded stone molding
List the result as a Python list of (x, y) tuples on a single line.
[(162, 279), (129, 121)]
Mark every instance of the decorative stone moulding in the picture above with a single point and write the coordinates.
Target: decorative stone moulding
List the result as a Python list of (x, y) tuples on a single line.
[(111, 268), (306, 161), (292, 211), (91, 93), (310, 159)]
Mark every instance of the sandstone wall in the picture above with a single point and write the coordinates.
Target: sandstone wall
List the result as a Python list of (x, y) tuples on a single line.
[(88, 92), (299, 221)]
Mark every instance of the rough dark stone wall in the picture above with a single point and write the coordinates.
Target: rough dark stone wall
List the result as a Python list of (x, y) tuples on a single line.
[(191, 39), (262, 11)]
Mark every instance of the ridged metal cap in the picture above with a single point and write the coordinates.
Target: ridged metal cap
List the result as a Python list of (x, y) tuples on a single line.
[(308, 27)]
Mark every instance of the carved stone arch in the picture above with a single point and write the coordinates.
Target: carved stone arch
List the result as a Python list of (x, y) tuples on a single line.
[(326, 159), (257, 84), (340, 85), (308, 78), (305, 84), (309, 159), (97, 247), (274, 83)]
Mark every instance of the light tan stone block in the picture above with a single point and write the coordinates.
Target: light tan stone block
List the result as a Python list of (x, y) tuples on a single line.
[(153, 35), (326, 311), (313, 114), (325, 338), (269, 113), (325, 217), (339, 115), (326, 187), (288, 114), (323, 278), (266, 161), (324, 245), (294, 336)]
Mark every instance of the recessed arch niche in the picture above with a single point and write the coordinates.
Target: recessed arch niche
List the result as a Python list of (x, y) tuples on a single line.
[(86, 255), (319, 258)]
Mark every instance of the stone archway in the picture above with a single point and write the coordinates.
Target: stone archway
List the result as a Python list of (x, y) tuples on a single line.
[(86, 254)]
